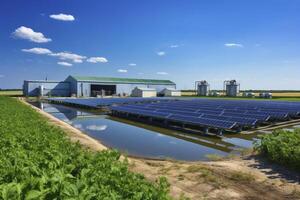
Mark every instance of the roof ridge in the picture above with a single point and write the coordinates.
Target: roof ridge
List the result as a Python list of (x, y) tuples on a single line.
[(116, 79)]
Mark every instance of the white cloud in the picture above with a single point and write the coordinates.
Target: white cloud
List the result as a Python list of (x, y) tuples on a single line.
[(162, 73), (174, 46), (29, 34), (132, 64), (233, 45), (65, 64), (122, 70), (96, 128), (66, 56), (161, 53), (97, 60), (2, 76), (69, 56), (62, 17), (37, 50)]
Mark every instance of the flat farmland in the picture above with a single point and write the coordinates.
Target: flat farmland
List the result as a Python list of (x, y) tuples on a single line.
[(286, 94), (276, 95), (11, 92)]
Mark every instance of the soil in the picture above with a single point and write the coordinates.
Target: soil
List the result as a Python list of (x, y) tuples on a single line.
[(235, 178)]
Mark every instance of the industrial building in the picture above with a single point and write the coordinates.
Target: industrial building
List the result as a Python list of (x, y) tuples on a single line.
[(267, 95), (82, 86), (249, 94), (231, 88), (46, 88), (202, 88), (143, 92), (170, 92)]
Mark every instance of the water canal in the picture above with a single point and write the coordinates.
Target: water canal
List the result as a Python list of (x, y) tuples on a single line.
[(138, 139)]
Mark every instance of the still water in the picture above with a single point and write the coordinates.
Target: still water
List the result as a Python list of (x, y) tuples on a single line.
[(138, 139)]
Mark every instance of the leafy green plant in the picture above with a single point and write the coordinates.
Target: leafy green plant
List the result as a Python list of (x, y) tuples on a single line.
[(37, 161), (282, 146)]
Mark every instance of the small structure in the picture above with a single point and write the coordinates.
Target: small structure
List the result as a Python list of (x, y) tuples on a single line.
[(202, 88), (266, 95), (249, 94), (214, 93), (143, 92), (170, 92), (231, 87)]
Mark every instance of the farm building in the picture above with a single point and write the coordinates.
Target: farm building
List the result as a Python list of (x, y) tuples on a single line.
[(143, 92), (267, 95), (81, 86), (46, 88), (248, 94), (170, 92)]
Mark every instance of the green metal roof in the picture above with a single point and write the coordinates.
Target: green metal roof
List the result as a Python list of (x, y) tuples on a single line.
[(122, 80)]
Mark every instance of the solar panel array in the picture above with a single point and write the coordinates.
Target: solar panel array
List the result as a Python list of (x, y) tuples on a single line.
[(211, 113), (101, 102)]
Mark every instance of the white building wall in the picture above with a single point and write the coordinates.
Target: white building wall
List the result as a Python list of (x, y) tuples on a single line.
[(175, 93), (127, 88), (139, 92), (149, 94), (170, 93), (33, 88)]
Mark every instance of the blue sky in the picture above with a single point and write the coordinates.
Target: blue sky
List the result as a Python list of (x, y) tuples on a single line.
[(256, 42)]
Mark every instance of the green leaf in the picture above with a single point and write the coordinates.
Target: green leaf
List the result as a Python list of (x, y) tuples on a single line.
[(33, 194)]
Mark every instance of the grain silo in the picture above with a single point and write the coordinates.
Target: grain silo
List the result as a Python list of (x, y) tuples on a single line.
[(202, 88), (231, 87)]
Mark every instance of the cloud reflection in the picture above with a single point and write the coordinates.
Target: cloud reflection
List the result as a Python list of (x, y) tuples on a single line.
[(97, 127)]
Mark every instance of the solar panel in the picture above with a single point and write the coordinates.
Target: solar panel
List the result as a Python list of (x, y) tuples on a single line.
[(271, 114), (179, 112), (239, 120), (255, 116), (203, 122), (141, 112)]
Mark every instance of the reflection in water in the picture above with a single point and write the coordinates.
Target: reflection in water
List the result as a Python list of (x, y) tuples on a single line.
[(96, 128), (148, 141)]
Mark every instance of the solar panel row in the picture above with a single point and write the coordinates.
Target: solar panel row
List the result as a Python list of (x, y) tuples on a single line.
[(100, 102), (177, 117), (215, 113), (199, 112), (223, 114)]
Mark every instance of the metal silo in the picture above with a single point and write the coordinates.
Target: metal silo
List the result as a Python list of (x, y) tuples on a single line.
[(232, 88), (202, 88)]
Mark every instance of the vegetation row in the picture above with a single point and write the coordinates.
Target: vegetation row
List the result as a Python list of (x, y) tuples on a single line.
[(37, 161), (282, 147)]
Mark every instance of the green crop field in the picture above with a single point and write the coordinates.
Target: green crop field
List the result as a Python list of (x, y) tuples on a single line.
[(37, 161), (282, 147)]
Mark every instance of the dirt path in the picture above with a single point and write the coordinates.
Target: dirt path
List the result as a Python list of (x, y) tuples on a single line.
[(236, 178)]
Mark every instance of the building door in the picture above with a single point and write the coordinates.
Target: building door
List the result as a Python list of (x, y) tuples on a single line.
[(103, 90)]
